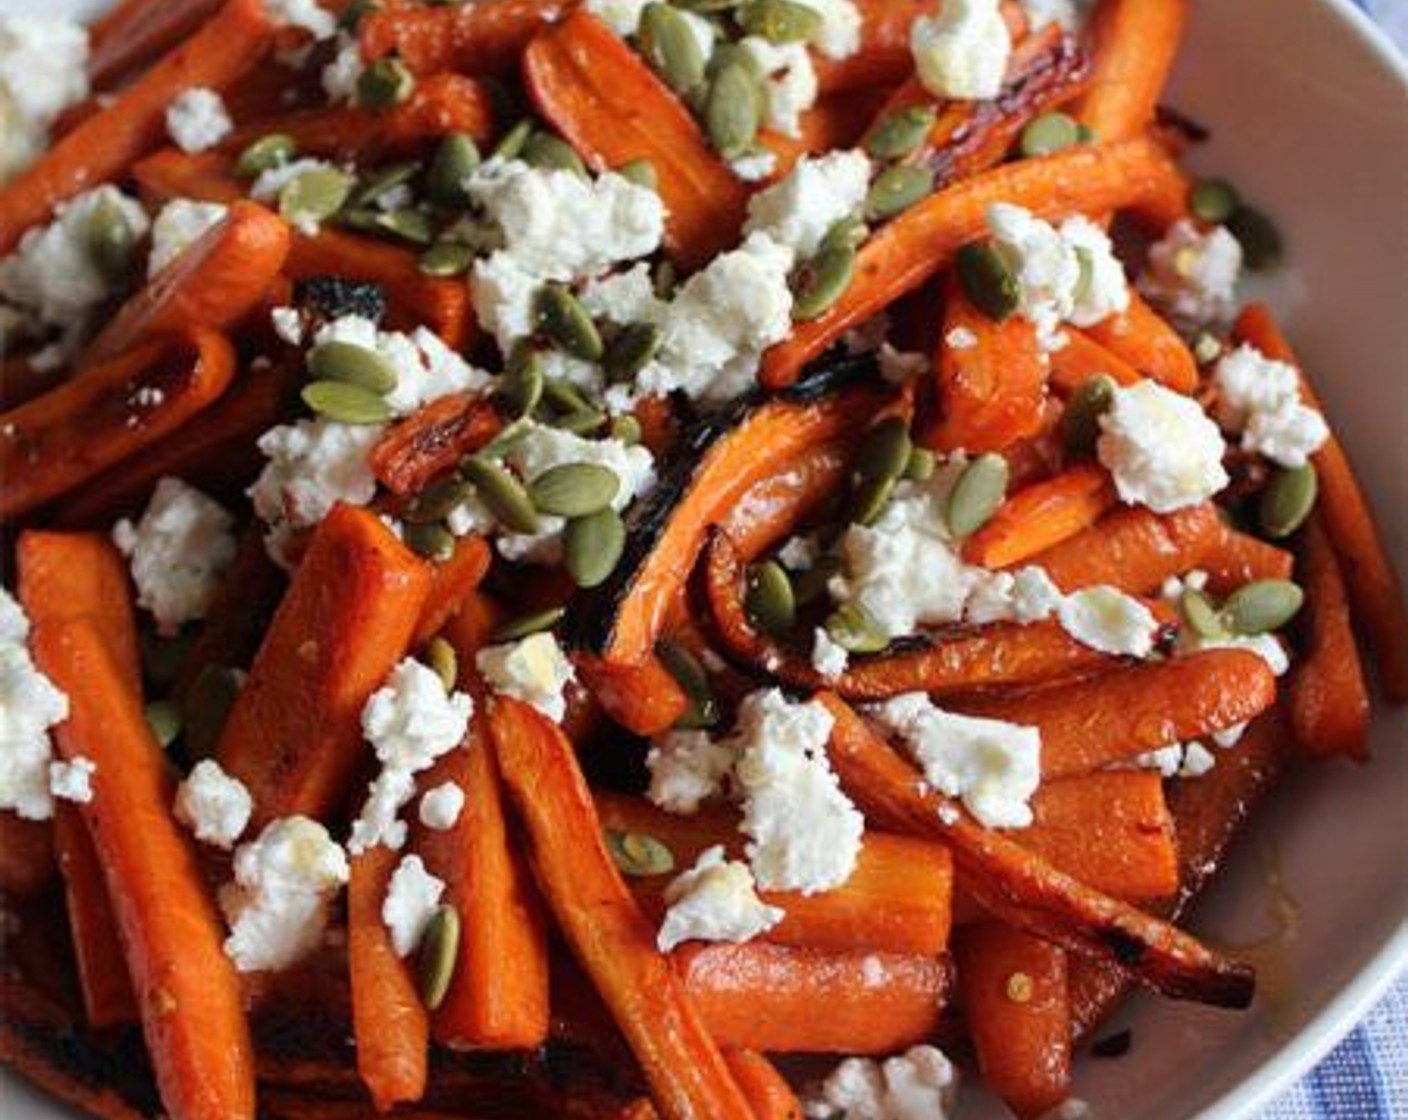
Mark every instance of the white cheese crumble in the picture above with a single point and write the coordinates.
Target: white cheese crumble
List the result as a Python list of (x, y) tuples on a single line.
[(789, 82), (411, 899), (72, 780), (815, 195), (1191, 275), (1160, 448), (534, 670), (214, 805), (828, 658), (839, 36), (340, 76), (308, 15), (962, 52), (440, 807), (1026, 595), (1260, 397), (1067, 14), (29, 706), (622, 16), (43, 70), (919, 1084), (961, 338), (278, 902), (993, 766), (755, 166), (197, 119), (180, 224), (177, 552), (715, 900), (688, 768), (1106, 619)]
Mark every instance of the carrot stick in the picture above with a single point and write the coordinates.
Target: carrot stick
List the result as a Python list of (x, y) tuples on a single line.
[(414, 451), (1241, 558), (1146, 342), (896, 900), (129, 35), (203, 176), (26, 855), (1082, 358), (451, 582), (1136, 42), (781, 999), (1091, 723), (103, 147), (645, 699), (107, 411), (922, 240), (1328, 697), (883, 57), (1375, 595), (390, 1024), (609, 105), (768, 1093), (192, 1018), (835, 121), (605, 929), (1042, 515), (1021, 889), (1134, 549), (990, 394), (215, 283), (294, 735), (777, 506), (1017, 1010), (486, 37)]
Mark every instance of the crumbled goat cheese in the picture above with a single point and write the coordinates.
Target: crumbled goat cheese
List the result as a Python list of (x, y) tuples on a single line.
[(755, 166), (622, 16), (1229, 737), (440, 807), (1287, 436), (1027, 595), (1166, 760), (215, 806), (269, 184), (828, 658), (288, 324), (839, 36), (1260, 397), (815, 195), (1067, 14), (534, 670), (804, 833), (177, 551), (411, 899), (799, 554), (306, 14), (919, 1084), (1161, 448), (962, 52), (899, 366), (340, 76), (29, 706), (1197, 760), (72, 780), (197, 120), (687, 768), (994, 767), (1106, 619), (181, 223), (624, 297), (503, 292), (43, 70), (278, 902), (1266, 646), (961, 338), (789, 82), (715, 900), (1191, 275)]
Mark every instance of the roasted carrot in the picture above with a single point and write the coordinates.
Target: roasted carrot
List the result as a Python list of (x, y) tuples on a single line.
[(486, 37), (1042, 515), (1241, 558), (203, 176), (606, 930), (1328, 698), (107, 411), (451, 582), (835, 121), (391, 1026), (215, 283), (1017, 1011), (767, 1090), (782, 999), (103, 147), (606, 101), (921, 241), (990, 393), (294, 735), (432, 440), (1375, 595), (1149, 344), (194, 1024), (896, 900), (129, 35), (26, 855), (1134, 549), (778, 505), (1135, 45), (1082, 357), (645, 699), (883, 57)]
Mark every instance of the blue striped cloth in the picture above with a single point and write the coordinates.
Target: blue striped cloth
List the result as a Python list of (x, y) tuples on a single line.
[(1365, 1077)]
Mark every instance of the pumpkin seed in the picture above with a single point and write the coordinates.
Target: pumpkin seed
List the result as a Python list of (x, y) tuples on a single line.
[(547, 152), (1262, 247), (884, 450), (352, 364), (510, 145), (370, 190), (442, 659), (562, 395), (896, 189), (707, 7), (1287, 500), (733, 109), (726, 53), (671, 48), (508, 436), (1200, 614), (407, 224), (1050, 132), (455, 160), (592, 546), (849, 232), (869, 499), (780, 21), (1085, 273), (664, 279), (703, 710), (920, 467), (639, 854), (1080, 422), (768, 598), (521, 627), (626, 428), (1262, 606), (1213, 200), (976, 495), (641, 172), (164, 718), (808, 587), (437, 501), (429, 540), (987, 281), (502, 493), (205, 707), (633, 348), (823, 280), (357, 11), (109, 239), (346, 403), (1085, 134), (439, 953), (574, 489), (314, 196), (446, 258), (562, 318), (901, 132), (579, 421), (385, 83), (851, 629), (268, 152), (521, 386)]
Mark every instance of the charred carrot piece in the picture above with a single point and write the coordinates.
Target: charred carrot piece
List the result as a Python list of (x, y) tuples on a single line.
[(606, 930), (776, 506), (1042, 515), (26, 855), (1136, 42), (1082, 358), (294, 735), (128, 36), (414, 451), (645, 699), (105, 413), (767, 1090), (1134, 549), (1149, 344), (102, 148), (451, 582), (487, 37), (883, 58), (203, 176)]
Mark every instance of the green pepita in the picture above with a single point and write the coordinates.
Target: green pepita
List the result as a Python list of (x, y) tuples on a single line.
[(511, 144), (987, 281), (641, 172), (265, 154), (315, 195), (884, 450), (110, 239), (703, 710), (810, 586), (579, 421), (357, 11), (504, 495), (592, 546), (524, 625), (440, 656), (707, 7), (1287, 500), (671, 47), (822, 281), (1085, 273), (633, 348), (346, 403), (869, 499), (547, 152), (430, 540), (626, 428), (849, 232), (664, 279), (353, 364), (439, 953), (521, 387), (455, 160), (780, 21), (438, 500), (574, 489), (407, 224), (1213, 200), (164, 718), (921, 465), (1262, 606), (371, 190), (1048, 133), (1200, 614), (901, 132), (563, 319), (768, 598), (446, 258), (384, 84), (733, 109), (562, 395), (896, 189), (977, 494), (1080, 422), (854, 631), (1262, 247), (205, 707), (639, 854)]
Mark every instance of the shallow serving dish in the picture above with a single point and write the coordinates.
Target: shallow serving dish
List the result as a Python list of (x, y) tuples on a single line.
[(1308, 107)]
